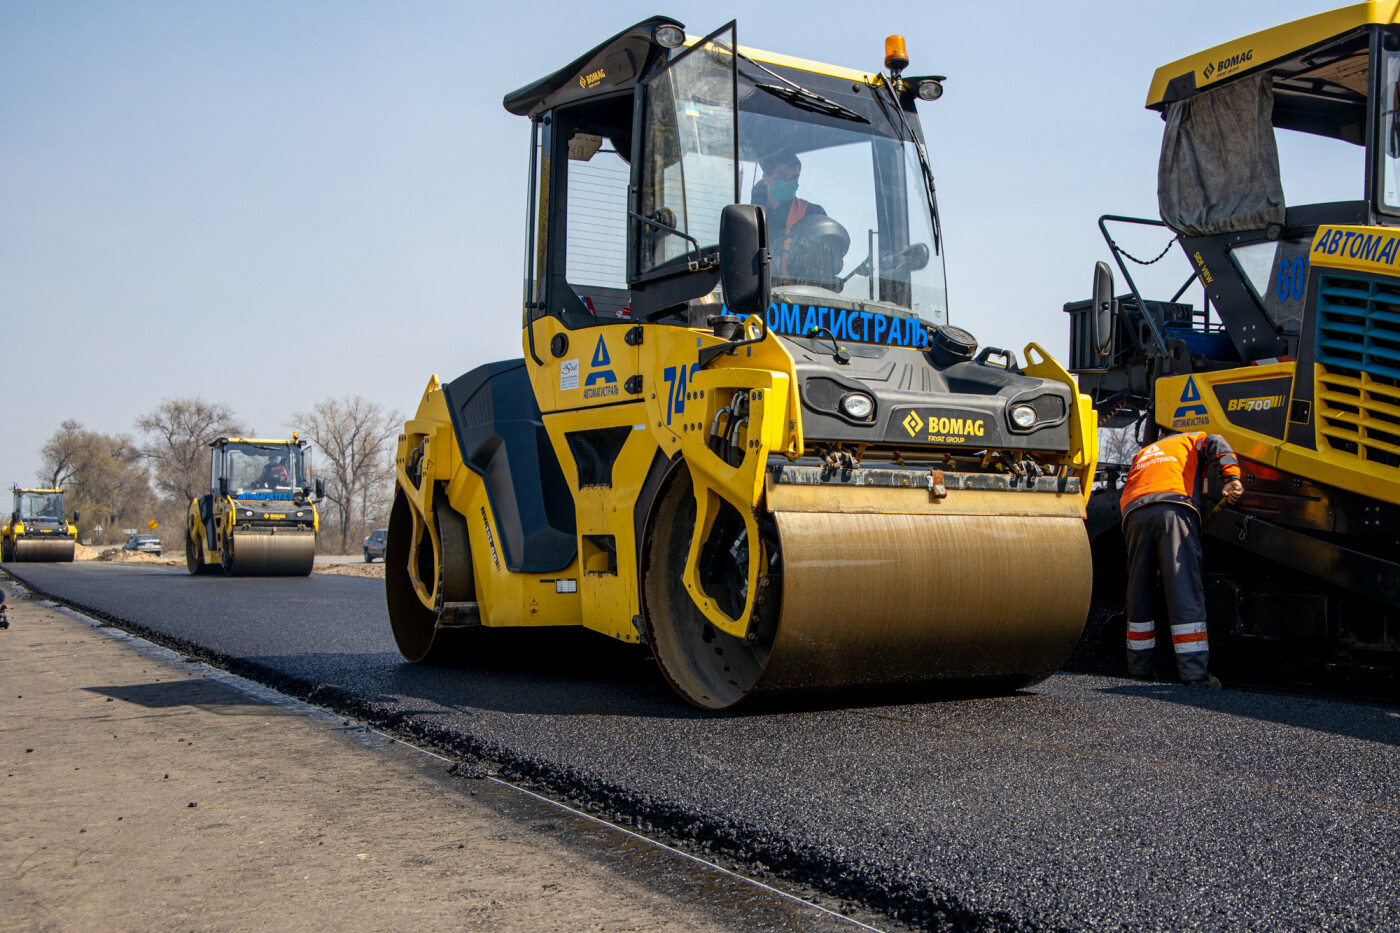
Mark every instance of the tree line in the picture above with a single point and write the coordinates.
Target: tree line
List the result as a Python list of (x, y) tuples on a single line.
[(121, 481)]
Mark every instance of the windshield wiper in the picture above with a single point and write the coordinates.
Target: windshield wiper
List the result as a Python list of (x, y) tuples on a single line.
[(807, 100), (906, 131), (797, 95)]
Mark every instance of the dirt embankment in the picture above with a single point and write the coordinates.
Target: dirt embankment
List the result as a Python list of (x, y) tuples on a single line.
[(353, 570), (117, 555)]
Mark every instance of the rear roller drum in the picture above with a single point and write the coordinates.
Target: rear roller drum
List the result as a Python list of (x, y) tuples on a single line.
[(415, 625)]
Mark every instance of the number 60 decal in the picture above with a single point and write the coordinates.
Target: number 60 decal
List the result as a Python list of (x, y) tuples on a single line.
[(1292, 279)]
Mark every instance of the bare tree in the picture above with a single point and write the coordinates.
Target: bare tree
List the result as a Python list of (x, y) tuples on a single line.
[(103, 477), (1117, 445), (355, 438), (176, 434)]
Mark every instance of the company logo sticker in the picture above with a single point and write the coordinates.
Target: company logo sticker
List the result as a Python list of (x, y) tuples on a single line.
[(1191, 412), (598, 374), (568, 375), (913, 423)]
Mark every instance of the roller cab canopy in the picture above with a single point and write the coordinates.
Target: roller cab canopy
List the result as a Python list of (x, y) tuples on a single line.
[(642, 141), (250, 466), (1331, 75), (38, 504)]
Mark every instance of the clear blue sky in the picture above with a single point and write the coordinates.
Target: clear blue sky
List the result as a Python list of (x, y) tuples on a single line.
[(270, 203)]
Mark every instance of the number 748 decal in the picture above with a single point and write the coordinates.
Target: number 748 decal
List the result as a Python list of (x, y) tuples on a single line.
[(677, 381)]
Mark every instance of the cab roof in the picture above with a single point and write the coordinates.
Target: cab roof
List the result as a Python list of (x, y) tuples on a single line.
[(20, 489), (220, 442), (1194, 73), (617, 65)]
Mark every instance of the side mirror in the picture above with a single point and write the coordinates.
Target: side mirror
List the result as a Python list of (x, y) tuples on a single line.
[(223, 486), (1101, 317), (76, 518), (743, 259), (320, 488)]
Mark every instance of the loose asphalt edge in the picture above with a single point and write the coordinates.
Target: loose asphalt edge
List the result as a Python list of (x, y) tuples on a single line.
[(750, 850)]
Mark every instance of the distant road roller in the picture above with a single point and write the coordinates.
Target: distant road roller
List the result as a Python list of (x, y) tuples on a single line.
[(743, 432), (37, 529), (259, 518)]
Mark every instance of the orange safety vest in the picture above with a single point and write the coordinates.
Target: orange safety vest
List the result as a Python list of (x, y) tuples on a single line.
[(1169, 470), (796, 211)]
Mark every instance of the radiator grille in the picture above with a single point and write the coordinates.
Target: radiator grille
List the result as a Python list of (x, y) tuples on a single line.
[(1358, 373)]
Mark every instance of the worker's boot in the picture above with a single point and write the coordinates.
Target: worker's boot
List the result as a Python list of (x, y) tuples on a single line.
[(1192, 652), (1142, 650)]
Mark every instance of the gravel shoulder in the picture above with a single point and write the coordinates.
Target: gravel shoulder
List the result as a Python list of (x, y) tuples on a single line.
[(138, 793)]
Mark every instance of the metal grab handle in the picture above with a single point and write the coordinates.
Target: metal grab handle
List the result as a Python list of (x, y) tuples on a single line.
[(1011, 365)]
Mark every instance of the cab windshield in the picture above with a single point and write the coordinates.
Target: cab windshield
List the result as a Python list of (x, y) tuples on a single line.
[(850, 216), (37, 505), (848, 213), (263, 468)]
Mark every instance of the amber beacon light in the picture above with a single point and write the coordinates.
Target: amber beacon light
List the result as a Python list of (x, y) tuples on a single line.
[(896, 58)]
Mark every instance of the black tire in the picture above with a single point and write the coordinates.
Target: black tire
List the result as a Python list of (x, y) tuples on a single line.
[(368, 559)]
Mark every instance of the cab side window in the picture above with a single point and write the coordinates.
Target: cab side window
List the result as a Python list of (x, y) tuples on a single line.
[(595, 261), (585, 193)]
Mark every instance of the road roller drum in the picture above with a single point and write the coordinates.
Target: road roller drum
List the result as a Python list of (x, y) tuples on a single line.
[(29, 549), (769, 458)]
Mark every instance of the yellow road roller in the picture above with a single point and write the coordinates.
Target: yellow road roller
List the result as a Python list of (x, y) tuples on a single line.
[(743, 432), (37, 530), (259, 518)]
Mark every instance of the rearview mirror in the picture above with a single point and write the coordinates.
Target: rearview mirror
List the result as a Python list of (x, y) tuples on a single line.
[(76, 518), (1101, 316), (743, 259), (320, 489), (223, 486)]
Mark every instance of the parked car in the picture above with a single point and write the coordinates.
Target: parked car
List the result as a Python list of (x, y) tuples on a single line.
[(146, 544), (374, 544)]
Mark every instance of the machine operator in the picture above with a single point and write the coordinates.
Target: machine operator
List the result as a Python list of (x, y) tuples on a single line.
[(1162, 527), (811, 247)]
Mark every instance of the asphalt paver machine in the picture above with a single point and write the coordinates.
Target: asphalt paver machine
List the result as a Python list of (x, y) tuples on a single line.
[(1294, 354), (37, 529), (743, 432), (259, 517)]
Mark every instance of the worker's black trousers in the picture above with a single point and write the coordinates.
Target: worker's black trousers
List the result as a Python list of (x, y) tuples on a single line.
[(1164, 537)]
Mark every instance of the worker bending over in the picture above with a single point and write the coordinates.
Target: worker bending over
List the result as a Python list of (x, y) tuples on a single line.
[(1162, 527)]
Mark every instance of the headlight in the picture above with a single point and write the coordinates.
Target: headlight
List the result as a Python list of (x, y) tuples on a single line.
[(669, 37), (858, 406), (1023, 416), (248, 513)]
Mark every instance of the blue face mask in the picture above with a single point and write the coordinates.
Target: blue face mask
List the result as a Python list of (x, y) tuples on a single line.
[(782, 190)]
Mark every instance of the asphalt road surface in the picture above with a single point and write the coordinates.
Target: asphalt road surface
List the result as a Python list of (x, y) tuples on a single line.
[(1086, 802)]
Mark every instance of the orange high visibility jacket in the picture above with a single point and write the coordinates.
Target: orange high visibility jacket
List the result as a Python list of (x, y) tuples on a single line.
[(1171, 470)]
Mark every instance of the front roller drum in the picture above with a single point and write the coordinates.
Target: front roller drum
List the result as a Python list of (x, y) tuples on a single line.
[(874, 599), (249, 554), (59, 550)]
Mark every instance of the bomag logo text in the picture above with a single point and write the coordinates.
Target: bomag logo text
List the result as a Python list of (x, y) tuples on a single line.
[(1263, 403), (1226, 65), (944, 430), (592, 79)]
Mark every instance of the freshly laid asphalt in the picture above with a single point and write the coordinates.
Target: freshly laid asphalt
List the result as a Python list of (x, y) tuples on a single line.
[(1086, 802)]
